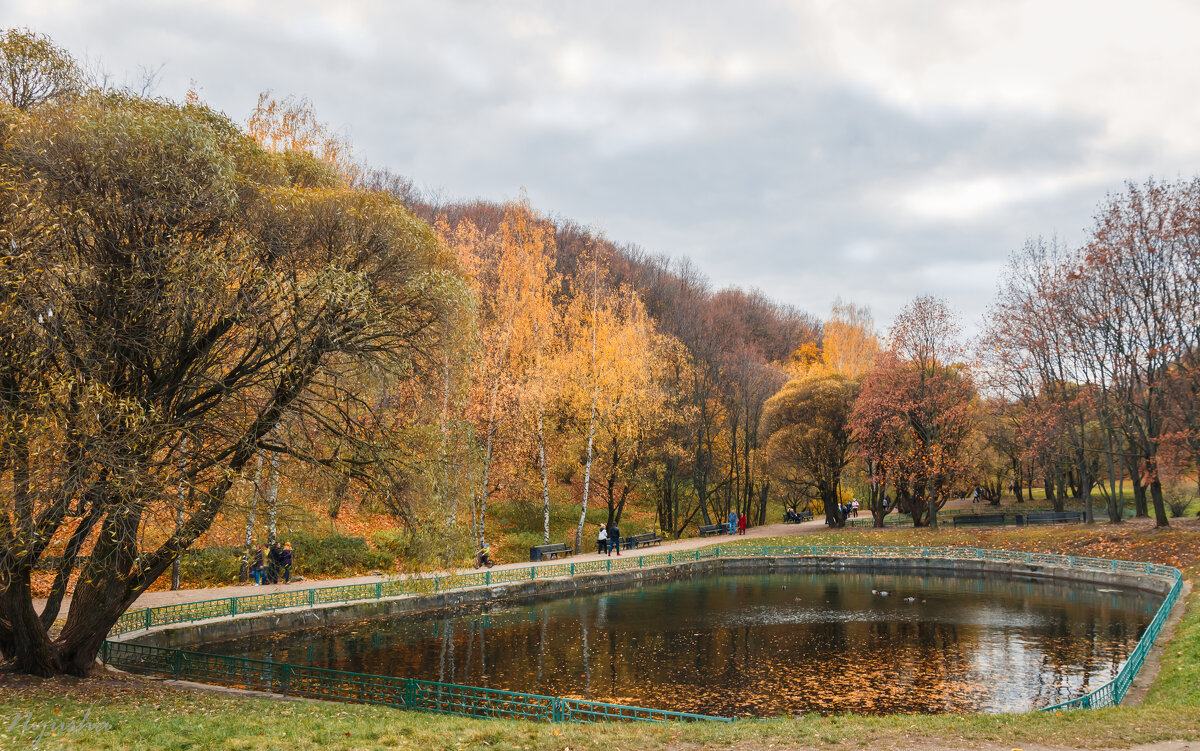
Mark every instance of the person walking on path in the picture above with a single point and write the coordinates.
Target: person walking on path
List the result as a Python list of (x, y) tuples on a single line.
[(732, 521), (285, 562), (741, 524), (854, 507), (602, 540), (273, 563), (614, 539), (257, 566)]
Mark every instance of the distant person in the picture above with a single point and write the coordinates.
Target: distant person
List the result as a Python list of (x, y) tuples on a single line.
[(285, 562), (854, 507), (741, 524), (602, 540), (273, 554), (258, 565), (614, 539), (483, 559), (733, 517)]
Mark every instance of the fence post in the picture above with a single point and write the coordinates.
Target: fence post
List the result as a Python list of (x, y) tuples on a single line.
[(556, 710), (148, 621), (312, 597), (610, 564), (670, 558), (487, 578), (410, 694), (533, 572), (572, 568), (233, 609), (177, 664), (285, 677), (378, 590)]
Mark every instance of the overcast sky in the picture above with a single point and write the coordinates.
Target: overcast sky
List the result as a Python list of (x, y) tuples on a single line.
[(869, 150)]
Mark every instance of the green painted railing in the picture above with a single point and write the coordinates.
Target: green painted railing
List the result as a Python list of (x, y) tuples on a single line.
[(360, 688), (473, 701)]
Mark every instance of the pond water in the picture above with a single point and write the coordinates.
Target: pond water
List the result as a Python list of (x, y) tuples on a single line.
[(761, 645)]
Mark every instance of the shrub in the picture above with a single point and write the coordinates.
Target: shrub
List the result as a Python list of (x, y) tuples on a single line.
[(210, 566), (335, 555), (1177, 499)]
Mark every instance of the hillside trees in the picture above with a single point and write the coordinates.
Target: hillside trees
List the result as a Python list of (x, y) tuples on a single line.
[(166, 280), (1102, 340)]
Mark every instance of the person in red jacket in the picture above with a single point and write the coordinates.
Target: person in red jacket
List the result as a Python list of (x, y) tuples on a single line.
[(741, 524)]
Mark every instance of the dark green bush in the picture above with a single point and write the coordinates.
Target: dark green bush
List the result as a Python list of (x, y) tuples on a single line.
[(210, 566), (335, 555)]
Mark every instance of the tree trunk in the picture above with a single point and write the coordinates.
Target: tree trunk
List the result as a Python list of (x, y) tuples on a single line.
[(545, 477), (250, 517), (1160, 512), (1060, 494), (273, 500), (587, 477), (26, 642)]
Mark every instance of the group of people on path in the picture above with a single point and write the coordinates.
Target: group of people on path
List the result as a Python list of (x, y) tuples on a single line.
[(737, 523), (608, 539), (272, 563)]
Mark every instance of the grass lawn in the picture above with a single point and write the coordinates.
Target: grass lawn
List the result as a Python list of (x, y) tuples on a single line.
[(135, 713)]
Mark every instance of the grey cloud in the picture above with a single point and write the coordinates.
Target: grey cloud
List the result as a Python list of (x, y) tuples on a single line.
[(781, 173)]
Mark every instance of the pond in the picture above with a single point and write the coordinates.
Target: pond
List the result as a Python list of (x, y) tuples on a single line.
[(761, 645)]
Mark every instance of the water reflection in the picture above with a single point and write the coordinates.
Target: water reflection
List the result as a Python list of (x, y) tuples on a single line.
[(763, 645)]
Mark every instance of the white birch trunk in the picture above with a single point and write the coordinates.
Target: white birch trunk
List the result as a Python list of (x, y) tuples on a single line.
[(175, 572), (545, 478), (253, 510), (273, 500), (587, 470)]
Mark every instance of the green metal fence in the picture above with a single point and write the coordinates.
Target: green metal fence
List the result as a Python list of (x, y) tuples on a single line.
[(299, 680), (360, 688)]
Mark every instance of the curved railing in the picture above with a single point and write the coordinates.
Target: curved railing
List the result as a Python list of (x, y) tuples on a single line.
[(481, 702)]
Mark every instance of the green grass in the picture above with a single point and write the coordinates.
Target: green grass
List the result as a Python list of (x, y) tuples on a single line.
[(149, 716), (144, 714)]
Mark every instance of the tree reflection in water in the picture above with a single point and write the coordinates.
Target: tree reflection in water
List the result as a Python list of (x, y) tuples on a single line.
[(762, 645)]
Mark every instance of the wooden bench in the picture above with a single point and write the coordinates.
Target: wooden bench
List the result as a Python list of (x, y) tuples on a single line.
[(805, 516), (553, 550), (1050, 517), (978, 520), (638, 541), (714, 529)]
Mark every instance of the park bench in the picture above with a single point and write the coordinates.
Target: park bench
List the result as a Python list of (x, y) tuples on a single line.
[(638, 541), (804, 516), (979, 520), (714, 529), (553, 550), (1050, 517)]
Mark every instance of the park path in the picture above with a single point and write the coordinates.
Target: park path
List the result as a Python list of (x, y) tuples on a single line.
[(158, 599)]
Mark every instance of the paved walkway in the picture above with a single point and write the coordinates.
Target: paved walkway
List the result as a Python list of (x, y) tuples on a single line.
[(158, 599)]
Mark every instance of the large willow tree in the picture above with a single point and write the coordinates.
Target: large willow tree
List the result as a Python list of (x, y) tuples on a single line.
[(170, 293)]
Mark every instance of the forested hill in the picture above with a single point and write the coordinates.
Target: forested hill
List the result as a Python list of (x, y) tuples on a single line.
[(677, 295)]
